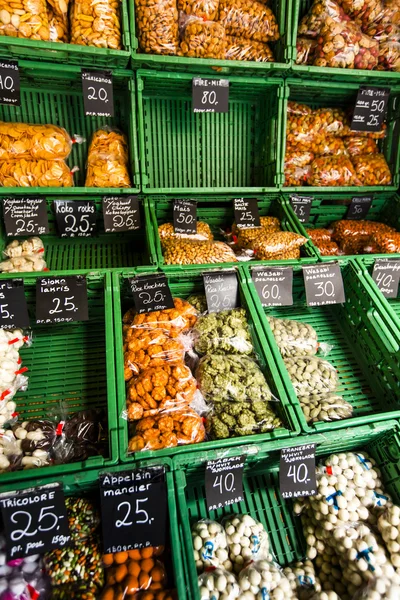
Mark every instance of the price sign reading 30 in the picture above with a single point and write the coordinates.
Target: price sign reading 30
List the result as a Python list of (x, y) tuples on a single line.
[(324, 284)]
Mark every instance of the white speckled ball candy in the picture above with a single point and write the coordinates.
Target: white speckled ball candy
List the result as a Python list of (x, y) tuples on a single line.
[(218, 584), (381, 588), (302, 579), (247, 540), (326, 595), (389, 527), (210, 546), (264, 579)]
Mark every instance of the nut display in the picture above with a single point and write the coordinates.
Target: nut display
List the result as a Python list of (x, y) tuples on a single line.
[(247, 540), (239, 48), (325, 407), (24, 140), (235, 419), (319, 235), (357, 145), (321, 11), (203, 39), (96, 23), (293, 337), (372, 169), (157, 26), (107, 163), (35, 173), (279, 245), (333, 171), (26, 19), (58, 26), (206, 9), (188, 252), (250, 19), (246, 237), (225, 332), (210, 546), (218, 585), (166, 232), (297, 176), (311, 375)]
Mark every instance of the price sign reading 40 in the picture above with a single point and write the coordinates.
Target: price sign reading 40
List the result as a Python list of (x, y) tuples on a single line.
[(35, 522), (297, 472), (134, 509), (151, 293), (224, 481), (386, 275), (98, 96), (210, 95), (274, 285), (324, 284), (61, 299), (222, 290)]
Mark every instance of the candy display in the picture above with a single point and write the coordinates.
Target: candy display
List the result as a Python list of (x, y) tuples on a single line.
[(107, 163), (325, 407), (310, 375), (218, 584), (223, 332), (210, 546), (235, 419), (24, 256)]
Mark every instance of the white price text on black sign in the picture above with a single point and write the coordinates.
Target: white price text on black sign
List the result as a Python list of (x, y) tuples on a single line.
[(324, 284), (61, 299), (25, 216), (274, 285), (386, 275), (297, 472), (35, 522), (134, 509), (98, 96), (151, 292), (10, 93), (210, 95), (359, 207), (222, 290), (13, 307), (121, 213), (224, 481), (370, 109), (75, 218), (185, 216), (302, 207), (246, 212)]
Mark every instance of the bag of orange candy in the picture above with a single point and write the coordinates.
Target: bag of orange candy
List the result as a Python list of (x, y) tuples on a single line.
[(172, 321)]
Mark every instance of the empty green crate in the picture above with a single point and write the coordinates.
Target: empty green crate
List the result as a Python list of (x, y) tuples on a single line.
[(323, 94), (363, 350), (262, 499), (73, 54), (71, 366), (328, 208), (102, 251), (182, 152), (183, 283), (218, 212), (52, 94)]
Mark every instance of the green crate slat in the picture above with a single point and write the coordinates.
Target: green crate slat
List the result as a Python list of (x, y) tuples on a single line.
[(364, 350), (72, 54), (183, 283), (262, 499), (218, 212), (183, 152), (53, 94), (72, 363), (319, 94), (102, 251)]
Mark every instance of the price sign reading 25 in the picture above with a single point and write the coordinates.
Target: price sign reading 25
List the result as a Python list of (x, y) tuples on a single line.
[(151, 293), (61, 299)]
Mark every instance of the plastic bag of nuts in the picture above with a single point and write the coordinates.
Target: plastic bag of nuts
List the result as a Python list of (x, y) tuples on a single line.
[(205, 9), (343, 45), (297, 167), (333, 171), (239, 48), (247, 237), (297, 176), (328, 248), (188, 252), (325, 407), (96, 23), (35, 173), (250, 19), (389, 56), (172, 321), (386, 243), (305, 50), (107, 163), (319, 235), (321, 11), (353, 235), (356, 145), (58, 26), (278, 245), (311, 375), (157, 26), (293, 337), (26, 19), (330, 146), (26, 140), (166, 232), (202, 39), (372, 169), (298, 158)]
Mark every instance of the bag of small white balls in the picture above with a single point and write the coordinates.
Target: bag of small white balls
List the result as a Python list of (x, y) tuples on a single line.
[(265, 579), (218, 584), (380, 588), (247, 540), (389, 528), (302, 578), (210, 546)]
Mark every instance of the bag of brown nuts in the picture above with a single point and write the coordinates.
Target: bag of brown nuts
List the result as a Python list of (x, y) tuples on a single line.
[(386, 243), (201, 38), (96, 23), (305, 51), (278, 245), (238, 48), (372, 169), (353, 235), (250, 19), (157, 26), (333, 171), (247, 237), (205, 9), (58, 26), (343, 45), (189, 252), (297, 168), (360, 145), (25, 19), (166, 232), (321, 11)]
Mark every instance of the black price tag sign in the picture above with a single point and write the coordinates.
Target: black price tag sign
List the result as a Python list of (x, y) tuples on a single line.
[(359, 207), (121, 213), (151, 292), (75, 218), (324, 284), (25, 216), (370, 109), (185, 216), (10, 88), (134, 509), (13, 307), (98, 95), (246, 213), (222, 290), (297, 472), (61, 299), (35, 522), (274, 285), (302, 207), (224, 482), (210, 95), (386, 275)]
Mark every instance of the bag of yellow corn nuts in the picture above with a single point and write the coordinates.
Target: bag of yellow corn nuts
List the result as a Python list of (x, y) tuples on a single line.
[(35, 173), (107, 164), (96, 23), (24, 19), (166, 232), (25, 140), (278, 245), (189, 252)]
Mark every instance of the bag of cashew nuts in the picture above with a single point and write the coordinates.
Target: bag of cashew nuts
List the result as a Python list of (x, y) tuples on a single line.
[(357, 145), (96, 23), (321, 12), (205, 9), (26, 19), (107, 163), (250, 19), (279, 245), (333, 171), (26, 140), (239, 48), (305, 51), (372, 169), (35, 173), (157, 26), (188, 252), (166, 233), (201, 38)]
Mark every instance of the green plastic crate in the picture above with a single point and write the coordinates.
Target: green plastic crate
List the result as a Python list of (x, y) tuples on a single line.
[(282, 51), (86, 484), (71, 54), (218, 212), (53, 94), (72, 363), (262, 499), (301, 8), (328, 208), (102, 251), (318, 94), (182, 152), (183, 283), (364, 350)]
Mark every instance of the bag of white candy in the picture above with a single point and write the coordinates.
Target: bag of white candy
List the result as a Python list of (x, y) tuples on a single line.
[(247, 540), (218, 584), (264, 579), (210, 546), (26, 256)]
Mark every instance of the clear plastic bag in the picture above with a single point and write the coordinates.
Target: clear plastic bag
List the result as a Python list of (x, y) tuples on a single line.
[(311, 375), (246, 237), (166, 232), (172, 321), (297, 176), (31, 246), (199, 302), (372, 169), (232, 378), (278, 245), (389, 55), (218, 584), (24, 264), (96, 23), (76, 563), (344, 45), (333, 171), (235, 419), (79, 436), (59, 7), (149, 348), (33, 141), (188, 252), (357, 145), (81, 590), (202, 38), (250, 19), (362, 10), (58, 26), (210, 546), (83, 518), (132, 572), (159, 388), (389, 528), (330, 146), (247, 540), (26, 19), (305, 50), (329, 249), (293, 338), (265, 579), (308, 131), (386, 243), (22, 578), (169, 428), (35, 439), (205, 9), (353, 235), (325, 407), (298, 158), (380, 588), (239, 48), (157, 26), (225, 332), (319, 235), (35, 173), (302, 579), (107, 163), (321, 11)]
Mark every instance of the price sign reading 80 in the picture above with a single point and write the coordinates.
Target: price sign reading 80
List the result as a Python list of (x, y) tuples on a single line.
[(210, 95)]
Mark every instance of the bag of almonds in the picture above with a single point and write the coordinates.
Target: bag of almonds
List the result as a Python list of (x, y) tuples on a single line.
[(201, 38), (205, 9), (25, 19), (107, 164), (157, 26), (250, 19), (238, 48), (96, 23)]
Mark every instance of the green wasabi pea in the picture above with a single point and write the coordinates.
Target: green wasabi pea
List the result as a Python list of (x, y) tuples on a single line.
[(225, 332), (235, 419)]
